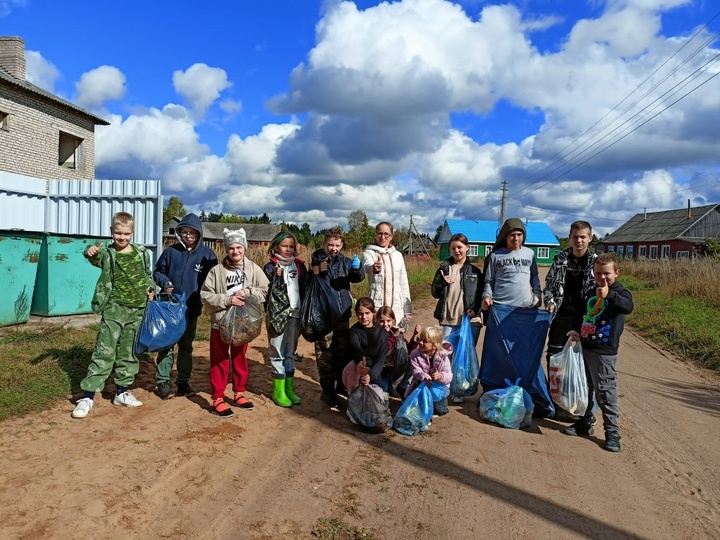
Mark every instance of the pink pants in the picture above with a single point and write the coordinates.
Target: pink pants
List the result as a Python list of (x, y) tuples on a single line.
[(220, 364)]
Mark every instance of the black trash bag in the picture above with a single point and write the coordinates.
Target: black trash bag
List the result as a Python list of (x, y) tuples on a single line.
[(398, 362), (320, 312), (367, 407), (278, 306), (241, 324)]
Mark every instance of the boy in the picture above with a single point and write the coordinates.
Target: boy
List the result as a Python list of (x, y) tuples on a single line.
[(182, 268), (600, 332), (339, 271), (511, 270), (122, 291)]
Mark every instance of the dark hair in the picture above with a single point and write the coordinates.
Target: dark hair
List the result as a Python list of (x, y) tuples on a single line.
[(607, 258), (459, 237), (580, 225), (385, 311), (335, 232), (279, 237), (377, 227), (365, 302)]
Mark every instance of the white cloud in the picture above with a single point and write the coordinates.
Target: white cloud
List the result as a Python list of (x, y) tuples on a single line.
[(40, 71), (6, 7), (231, 107), (200, 85), (99, 85)]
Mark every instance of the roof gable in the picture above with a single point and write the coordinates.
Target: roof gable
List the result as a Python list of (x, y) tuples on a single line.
[(484, 231), (657, 226)]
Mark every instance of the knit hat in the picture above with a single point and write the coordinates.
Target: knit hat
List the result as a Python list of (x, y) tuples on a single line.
[(234, 237)]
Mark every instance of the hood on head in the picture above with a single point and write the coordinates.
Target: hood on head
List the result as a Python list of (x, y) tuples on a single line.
[(447, 346), (510, 225), (191, 221)]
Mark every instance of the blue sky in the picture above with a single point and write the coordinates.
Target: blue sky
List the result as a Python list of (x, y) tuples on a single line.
[(311, 110)]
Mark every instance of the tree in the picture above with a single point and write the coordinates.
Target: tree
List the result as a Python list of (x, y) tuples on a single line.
[(232, 218), (437, 234), (203, 216), (360, 233), (174, 208), (214, 218), (712, 247)]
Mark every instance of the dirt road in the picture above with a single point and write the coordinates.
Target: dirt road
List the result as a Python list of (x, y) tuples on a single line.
[(171, 469)]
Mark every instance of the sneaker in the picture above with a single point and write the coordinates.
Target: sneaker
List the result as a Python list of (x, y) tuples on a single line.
[(164, 391), (612, 442), (244, 403), (185, 390), (579, 429), (330, 399), (126, 399), (82, 408), (221, 408), (458, 399)]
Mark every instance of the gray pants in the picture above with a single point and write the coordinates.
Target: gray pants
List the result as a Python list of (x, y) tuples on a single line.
[(166, 358), (283, 349), (601, 368)]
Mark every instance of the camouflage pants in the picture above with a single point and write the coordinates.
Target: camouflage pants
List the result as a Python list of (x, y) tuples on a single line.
[(331, 353), (114, 348), (166, 358)]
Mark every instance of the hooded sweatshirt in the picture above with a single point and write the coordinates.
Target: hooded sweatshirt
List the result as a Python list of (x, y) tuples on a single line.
[(390, 286), (186, 269)]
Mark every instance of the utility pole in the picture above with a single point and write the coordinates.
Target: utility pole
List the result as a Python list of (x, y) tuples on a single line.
[(502, 203)]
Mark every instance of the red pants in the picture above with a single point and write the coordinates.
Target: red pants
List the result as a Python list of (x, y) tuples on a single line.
[(220, 363)]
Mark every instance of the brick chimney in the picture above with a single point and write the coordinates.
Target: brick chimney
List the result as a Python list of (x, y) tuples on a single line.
[(12, 56)]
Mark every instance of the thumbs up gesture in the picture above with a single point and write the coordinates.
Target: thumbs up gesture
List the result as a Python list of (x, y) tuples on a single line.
[(377, 267)]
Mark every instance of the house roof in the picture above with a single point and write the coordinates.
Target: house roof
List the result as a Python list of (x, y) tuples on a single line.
[(657, 226), (483, 231), (255, 232), (419, 243), (29, 87)]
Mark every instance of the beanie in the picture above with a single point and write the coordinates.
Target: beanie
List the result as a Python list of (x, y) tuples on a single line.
[(234, 237)]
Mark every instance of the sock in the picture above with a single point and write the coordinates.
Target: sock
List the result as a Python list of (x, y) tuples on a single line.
[(121, 390), (89, 395)]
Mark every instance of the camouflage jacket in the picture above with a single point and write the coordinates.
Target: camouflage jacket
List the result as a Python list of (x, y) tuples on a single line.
[(105, 260)]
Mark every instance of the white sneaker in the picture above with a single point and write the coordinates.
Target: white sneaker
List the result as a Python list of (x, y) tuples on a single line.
[(82, 407), (458, 399), (127, 399)]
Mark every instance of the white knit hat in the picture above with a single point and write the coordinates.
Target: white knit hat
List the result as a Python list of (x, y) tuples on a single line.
[(234, 237)]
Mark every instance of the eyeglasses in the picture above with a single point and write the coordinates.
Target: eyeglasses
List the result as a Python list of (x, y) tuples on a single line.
[(186, 233), (384, 234)]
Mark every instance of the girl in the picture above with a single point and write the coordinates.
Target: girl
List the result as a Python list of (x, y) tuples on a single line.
[(228, 284), (367, 348), (286, 269), (429, 362), (385, 319), (385, 269), (458, 287)]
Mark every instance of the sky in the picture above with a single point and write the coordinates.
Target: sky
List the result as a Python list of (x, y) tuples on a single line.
[(309, 110)]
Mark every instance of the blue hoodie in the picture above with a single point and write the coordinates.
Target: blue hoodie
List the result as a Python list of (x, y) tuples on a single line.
[(185, 269)]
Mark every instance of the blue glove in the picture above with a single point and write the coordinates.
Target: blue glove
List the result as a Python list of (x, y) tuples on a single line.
[(355, 263)]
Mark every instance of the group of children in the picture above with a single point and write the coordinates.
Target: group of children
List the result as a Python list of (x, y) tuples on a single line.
[(348, 356)]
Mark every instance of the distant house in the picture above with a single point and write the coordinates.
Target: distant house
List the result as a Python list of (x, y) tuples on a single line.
[(671, 234), (41, 135), (417, 245), (482, 235), (258, 235)]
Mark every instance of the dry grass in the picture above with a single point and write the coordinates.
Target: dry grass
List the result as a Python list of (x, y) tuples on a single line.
[(698, 278)]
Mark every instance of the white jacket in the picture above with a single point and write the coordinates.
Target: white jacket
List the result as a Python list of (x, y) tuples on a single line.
[(389, 287)]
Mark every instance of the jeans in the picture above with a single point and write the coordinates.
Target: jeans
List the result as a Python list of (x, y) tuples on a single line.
[(283, 348)]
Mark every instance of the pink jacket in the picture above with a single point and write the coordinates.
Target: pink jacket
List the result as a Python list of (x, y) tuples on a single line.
[(421, 363)]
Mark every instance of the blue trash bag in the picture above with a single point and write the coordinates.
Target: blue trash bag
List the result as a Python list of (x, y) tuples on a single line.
[(511, 407), (162, 325), (465, 367), (416, 412), (513, 349), (320, 311), (368, 408)]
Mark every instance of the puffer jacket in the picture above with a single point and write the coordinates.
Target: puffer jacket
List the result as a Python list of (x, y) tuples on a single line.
[(390, 286), (421, 363), (472, 285)]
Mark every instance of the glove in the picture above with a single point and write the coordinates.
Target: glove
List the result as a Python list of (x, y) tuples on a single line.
[(355, 262)]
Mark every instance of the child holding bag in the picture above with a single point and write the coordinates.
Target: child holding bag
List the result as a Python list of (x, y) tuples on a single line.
[(391, 376), (430, 362), (367, 348)]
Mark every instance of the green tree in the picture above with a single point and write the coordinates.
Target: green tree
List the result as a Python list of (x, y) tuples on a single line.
[(214, 218), (174, 208), (203, 216), (232, 218), (712, 247), (360, 232)]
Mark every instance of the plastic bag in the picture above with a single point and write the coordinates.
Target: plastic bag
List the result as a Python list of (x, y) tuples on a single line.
[(320, 312), (367, 407), (241, 324), (398, 361), (416, 412), (567, 381), (163, 324), (465, 367), (511, 407), (278, 306)]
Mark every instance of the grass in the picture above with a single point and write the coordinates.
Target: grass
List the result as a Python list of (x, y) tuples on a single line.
[(336, 529)]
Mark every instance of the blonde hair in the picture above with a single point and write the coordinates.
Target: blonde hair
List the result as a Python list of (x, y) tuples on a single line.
[(432, 334), (124, 219)]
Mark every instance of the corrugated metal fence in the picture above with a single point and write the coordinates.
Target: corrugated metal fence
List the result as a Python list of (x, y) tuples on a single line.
[(81, 207)]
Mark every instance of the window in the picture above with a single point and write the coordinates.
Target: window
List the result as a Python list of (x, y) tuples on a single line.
[(682, 254), (629, 252), (642, 252), (4, 120), (70, 151), (665, 253), (473, 251), (653, 252), (611, 249), (543, 253), (488, 250), (620, 251)]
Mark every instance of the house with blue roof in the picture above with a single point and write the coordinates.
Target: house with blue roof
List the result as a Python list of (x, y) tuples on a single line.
[(482, 233)]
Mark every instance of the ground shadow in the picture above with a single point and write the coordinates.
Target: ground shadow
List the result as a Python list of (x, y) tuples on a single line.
[(699, 397)]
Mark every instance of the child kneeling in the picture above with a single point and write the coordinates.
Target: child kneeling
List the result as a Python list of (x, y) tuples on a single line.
[(430, 362)]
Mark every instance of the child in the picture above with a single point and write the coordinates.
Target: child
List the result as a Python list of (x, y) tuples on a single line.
[(367, 348), (431, 362), (386, 273), (182, 268), (511, 270), (339, 271), (600, 333), (285, 268), (228, 284), (385, 319), (122, 291), (457, 285)]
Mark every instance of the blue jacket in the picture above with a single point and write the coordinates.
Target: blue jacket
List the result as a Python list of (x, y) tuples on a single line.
[(186, 270)]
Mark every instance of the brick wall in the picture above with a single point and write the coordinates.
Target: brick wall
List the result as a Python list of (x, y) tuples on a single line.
[(29, 145)]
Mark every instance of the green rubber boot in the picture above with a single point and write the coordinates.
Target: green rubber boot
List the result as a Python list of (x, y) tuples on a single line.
[(279, 396), (290, 391)]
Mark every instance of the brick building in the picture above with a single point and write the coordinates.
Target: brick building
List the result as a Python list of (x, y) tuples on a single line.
[(41, 135)]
